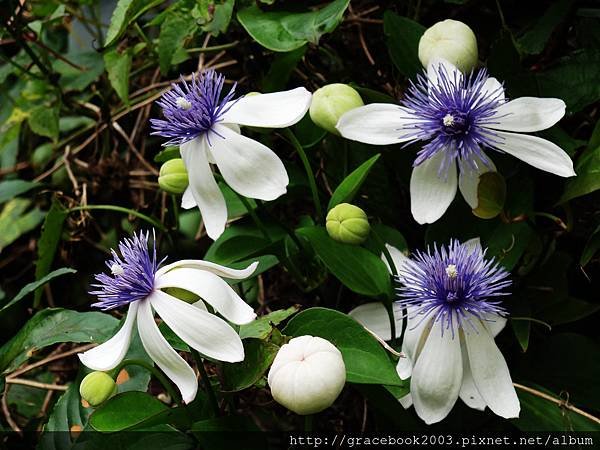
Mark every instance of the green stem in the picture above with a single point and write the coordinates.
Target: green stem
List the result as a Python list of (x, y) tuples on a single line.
[(309, 173), (390, 303), (212, 398), (214, 48), (154, 371), (254, 216), (150, 220), (141, 33)]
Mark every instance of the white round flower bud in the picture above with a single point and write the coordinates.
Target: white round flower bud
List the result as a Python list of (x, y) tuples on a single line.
[(307, 375), (451, 40)]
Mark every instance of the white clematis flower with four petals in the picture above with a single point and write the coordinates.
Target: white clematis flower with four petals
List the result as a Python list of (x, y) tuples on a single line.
[(462, 117), (207, 129), (449, 349), (138, 282)]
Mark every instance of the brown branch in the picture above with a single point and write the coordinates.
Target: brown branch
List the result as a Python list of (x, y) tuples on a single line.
[(49, 359), (37, 384)]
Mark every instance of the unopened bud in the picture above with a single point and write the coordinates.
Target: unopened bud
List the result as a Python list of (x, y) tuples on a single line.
[(307, 375), (451, 40), (330, 102), (173, 177), (97, 387), (348, 224)]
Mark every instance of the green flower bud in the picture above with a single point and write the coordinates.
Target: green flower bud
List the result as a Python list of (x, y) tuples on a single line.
[(451, 40), (330, 102), (97, 387), (173, 177), (348, 224), (491, 194)]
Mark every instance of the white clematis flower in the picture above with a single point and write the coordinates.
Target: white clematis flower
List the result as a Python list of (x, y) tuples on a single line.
[(461, 116), (137, 281), (207, 129), (449, 343)]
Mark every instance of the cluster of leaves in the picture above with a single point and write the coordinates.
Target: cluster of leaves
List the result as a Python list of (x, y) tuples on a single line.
[(79, 170)]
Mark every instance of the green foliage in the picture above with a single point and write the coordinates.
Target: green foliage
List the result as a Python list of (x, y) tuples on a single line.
[(403, 36), (348, 188)]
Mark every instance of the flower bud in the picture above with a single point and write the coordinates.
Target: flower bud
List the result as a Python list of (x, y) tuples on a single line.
[(307, 375), (173, 177), (491, 194), (451, 40), (348, 224), (97, 387), (330, 102)]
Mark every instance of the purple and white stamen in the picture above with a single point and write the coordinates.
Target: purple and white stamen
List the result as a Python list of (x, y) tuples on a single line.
[(452, 284), (192, 109)]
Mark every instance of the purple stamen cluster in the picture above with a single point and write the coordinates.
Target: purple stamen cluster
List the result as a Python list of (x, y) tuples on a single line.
[(132, 274), (451, 285), (453, 113), (191, 109)]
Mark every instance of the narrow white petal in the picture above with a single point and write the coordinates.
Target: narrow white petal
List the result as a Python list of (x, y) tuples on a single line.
[(187, 200), (274, 110), (249, 167), (108, 355), (398, 258), (377, 124), (217, 269), (452, 73), (406, 401), (163, 354), (374, 317), (492, 90), (528, 114), (212, 289), (474, 245), (430, 195), (495, 324), (204, 188), (468, 391), (417, 331), (437, 376), (537, 152), (201, 330), (490, 372), (468, 180)]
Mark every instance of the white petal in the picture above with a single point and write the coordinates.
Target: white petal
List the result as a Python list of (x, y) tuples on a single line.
[(430, 195), (417, 331), (468, 180), (374, 317), (213, 290), (377, 124), (398, 258), (468, 391), (201, 330), (163, 354), (249, 167), (490, 372), (527, 114), (217, 269), (406, 401), (495, 324), (537, 152), (204, 188), (274, 110), (437, 376), (451, 72), (108, 355), (474, 245), (492, 90), (187, 200)]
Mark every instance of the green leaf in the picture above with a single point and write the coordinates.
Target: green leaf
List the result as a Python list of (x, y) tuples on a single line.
[(12, 188), (178, 25), (348, 188), (588, 176), (118, 65), (539, 414), (402, 37), (28, 288), (357, 268), (262, 327), (166, 154), (125, 411), (43, 120), (259, 356), (591, 247), (48, 242), (365, 359), (74, 79), (230, 432), (284, 31), (121, 15), (281, 68), (15, 221), (221, 18), (51, 326), (534, 41)]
